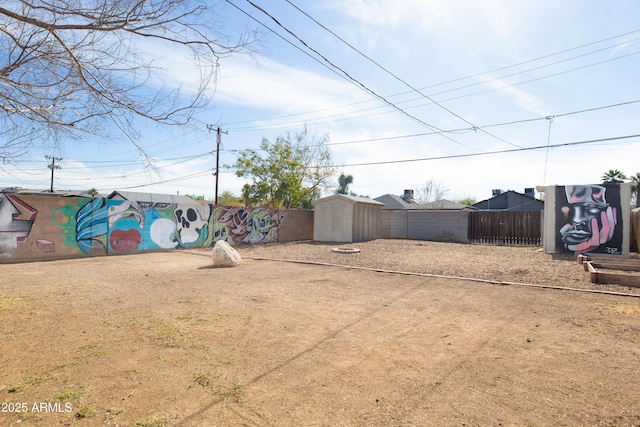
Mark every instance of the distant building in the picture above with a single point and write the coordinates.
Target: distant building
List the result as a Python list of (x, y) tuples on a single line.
[(63, 193), (393, 202), (446, 205), (407, 202), (511, 201), (152, 198)]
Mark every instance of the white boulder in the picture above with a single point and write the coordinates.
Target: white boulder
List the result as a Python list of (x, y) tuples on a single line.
[(223, 255)]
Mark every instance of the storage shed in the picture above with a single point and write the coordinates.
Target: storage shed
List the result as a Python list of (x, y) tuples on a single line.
[(343, 218)]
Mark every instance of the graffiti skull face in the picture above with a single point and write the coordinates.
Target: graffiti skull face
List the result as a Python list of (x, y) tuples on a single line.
[(189, 223)]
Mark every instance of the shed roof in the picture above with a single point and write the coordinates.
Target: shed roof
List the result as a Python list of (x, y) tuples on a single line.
[(347, 199), (64, 193)]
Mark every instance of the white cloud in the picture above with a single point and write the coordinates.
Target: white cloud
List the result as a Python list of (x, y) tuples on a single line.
[(275, 86), (425, 13)]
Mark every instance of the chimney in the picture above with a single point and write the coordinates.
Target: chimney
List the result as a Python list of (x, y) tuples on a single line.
[(531, 192), (408, 195)]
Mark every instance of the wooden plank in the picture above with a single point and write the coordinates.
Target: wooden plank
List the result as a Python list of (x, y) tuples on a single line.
[(611, 259), (616, 266), (600, 275)]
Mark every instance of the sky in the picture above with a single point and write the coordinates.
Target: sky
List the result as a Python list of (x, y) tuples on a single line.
[(472, 95)]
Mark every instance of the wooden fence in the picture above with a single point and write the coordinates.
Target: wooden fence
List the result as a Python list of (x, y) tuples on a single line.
[(506, 227), (635, 230)]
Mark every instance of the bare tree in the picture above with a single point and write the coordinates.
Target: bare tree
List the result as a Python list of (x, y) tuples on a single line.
[(430, 191), (76, 67)]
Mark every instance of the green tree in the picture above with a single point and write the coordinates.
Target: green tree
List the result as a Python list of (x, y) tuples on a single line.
[(343, 183), (613, 176), (293, 171), (469, 201), (227, 198)]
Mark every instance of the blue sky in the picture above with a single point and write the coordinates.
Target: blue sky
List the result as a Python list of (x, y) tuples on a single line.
[(464, 91)]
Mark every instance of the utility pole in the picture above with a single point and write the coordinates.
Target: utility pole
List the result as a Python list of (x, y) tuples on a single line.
[(53, 167), (219, 133)]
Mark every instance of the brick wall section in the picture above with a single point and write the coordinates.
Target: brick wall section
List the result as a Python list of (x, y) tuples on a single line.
[(439, 226), (297, 225), (394, 224), (52, 233)]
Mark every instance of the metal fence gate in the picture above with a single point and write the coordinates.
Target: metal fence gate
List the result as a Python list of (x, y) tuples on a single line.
[(506, 227)]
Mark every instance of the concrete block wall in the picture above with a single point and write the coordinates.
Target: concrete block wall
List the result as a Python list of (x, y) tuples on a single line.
[(297, 225), (394, 224), (439, 226), (39, 227)]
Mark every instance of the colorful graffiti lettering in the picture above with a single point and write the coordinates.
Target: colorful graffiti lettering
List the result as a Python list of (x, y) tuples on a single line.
[(99, 226), (91, 226), (65, 218), (16, 220), (586, 221), (248, 225)]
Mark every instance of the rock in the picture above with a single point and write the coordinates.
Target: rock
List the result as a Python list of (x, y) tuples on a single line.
[(223, 255)]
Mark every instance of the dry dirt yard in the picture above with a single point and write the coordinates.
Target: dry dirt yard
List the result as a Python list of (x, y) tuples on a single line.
[(162, 339)]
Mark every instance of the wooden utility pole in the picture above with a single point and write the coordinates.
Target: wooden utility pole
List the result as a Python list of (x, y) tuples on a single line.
[(219, 133), (53, 167)]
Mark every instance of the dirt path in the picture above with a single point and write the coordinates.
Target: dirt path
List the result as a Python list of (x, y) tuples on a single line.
[(161, 339)]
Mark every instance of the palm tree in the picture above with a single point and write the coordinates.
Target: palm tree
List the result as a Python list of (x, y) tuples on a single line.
[(343, 183), (613, 176), (635, 179)]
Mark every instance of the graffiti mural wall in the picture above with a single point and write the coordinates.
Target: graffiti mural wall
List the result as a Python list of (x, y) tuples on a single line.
[(588, 219), (75, 226), (16, 220), (246, 225)]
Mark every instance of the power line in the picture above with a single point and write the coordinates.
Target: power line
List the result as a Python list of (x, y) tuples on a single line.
[(395, 76), (513, 150), (469, 129), (444, 100), (461, 79), (53, 167), (358, 83), (181, 178)]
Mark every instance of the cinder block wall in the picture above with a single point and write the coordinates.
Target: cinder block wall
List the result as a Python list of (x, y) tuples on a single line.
[(296, 225), (394, 224), (40, 227), (439, 226)]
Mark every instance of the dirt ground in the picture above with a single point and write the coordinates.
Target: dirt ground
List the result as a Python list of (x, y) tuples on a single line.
[(163, 339)]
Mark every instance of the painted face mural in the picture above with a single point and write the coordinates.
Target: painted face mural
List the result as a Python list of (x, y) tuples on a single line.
[(16, 219), (588, 220)]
